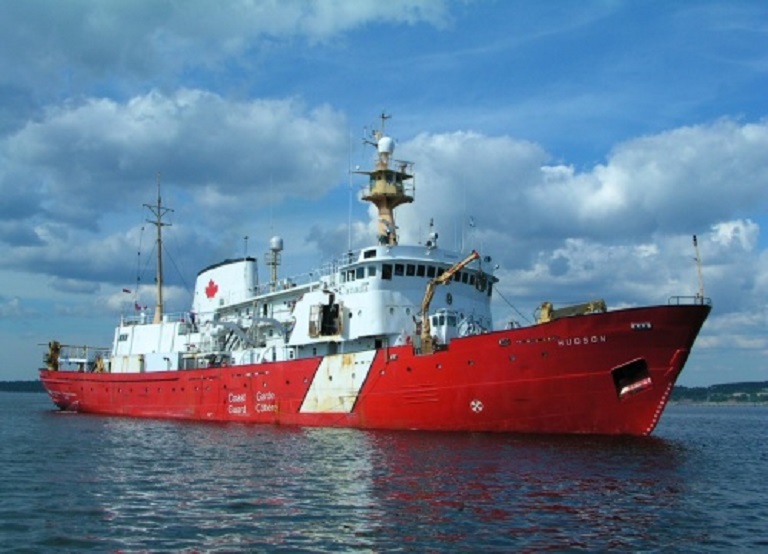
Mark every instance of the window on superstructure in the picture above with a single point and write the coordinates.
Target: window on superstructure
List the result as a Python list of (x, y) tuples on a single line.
[(410, 270), (371, 271), (490, 286), (386, 271), (452, 320), (464, 277), (369, 254), (399, 270), (360, 273), (431, 271), (472, 279), (351, 275), (440, 271), (457, 276), (420, 270)]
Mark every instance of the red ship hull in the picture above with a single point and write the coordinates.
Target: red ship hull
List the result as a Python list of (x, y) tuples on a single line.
[(605, 373)]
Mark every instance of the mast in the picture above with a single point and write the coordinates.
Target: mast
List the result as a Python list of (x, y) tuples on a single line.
[(159, 211), (387, 188), (698, 269)]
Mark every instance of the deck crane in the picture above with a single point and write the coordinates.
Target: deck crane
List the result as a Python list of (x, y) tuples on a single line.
[(427, 344)]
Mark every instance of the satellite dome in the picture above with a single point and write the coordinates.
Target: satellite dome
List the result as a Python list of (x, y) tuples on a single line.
[(276, 244), (386, 145)]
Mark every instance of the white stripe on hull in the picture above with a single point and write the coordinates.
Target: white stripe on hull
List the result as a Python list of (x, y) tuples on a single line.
[(337, 383)]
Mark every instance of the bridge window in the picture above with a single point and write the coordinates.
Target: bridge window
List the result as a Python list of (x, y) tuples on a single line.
[(420, 270), (386, 271), (399, 270), (410, 270), (360, 273), (369, 254), (371, 271), (431, 271)]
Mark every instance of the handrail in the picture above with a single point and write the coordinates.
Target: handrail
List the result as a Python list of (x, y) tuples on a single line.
[(685, 300)]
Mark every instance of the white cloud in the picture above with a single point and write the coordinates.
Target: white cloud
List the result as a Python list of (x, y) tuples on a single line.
[(231, 103), (84, 161), (620, 230), (76, 40), (13, 308)]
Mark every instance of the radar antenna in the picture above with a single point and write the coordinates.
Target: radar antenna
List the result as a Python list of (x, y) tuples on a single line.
[(387, 187)]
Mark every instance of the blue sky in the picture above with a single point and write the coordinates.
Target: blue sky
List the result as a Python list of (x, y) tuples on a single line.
[(587, 140)]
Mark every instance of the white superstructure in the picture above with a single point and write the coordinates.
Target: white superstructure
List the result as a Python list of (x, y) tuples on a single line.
[(369, 299)]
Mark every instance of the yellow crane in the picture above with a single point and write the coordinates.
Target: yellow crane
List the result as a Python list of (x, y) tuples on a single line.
[(427, 344)]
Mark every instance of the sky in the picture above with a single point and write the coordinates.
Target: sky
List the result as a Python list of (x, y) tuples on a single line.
[(580, 144)]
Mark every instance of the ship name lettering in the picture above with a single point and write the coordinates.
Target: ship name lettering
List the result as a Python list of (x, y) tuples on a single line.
[(581, 341), (265, 396), (236, 397), (356, 288), (264, 408)]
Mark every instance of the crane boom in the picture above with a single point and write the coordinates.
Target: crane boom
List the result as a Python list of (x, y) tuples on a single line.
[(427, 345)]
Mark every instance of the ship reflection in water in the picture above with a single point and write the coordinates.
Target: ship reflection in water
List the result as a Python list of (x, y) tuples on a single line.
[(172, 485)]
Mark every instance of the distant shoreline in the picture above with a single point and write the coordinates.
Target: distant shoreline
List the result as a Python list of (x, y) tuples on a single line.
[(729, 404)]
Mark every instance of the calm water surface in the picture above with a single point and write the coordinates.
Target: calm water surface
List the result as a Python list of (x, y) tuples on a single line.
[(76, 483)]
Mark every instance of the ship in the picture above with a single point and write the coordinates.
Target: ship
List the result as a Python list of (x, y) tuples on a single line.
[(390, 336)]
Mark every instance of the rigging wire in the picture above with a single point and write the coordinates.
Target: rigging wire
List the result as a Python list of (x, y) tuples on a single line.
[(177, 246), (138, 265), (512, 306)]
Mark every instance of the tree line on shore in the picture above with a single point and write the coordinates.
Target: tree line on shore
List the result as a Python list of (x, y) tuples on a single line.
[(748, 393)]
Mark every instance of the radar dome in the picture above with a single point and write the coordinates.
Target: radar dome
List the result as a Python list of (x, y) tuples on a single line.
[(386, 145), (276, 244)]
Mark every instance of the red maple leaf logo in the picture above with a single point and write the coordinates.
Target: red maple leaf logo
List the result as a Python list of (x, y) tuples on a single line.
[(211, 289)]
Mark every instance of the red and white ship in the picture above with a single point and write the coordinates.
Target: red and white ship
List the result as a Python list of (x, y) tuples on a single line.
[(390, 337)]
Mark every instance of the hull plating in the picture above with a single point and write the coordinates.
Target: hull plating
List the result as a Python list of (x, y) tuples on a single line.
[(608, 373)]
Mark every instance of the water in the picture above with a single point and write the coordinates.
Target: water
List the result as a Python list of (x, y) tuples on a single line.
[(77, 483)]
